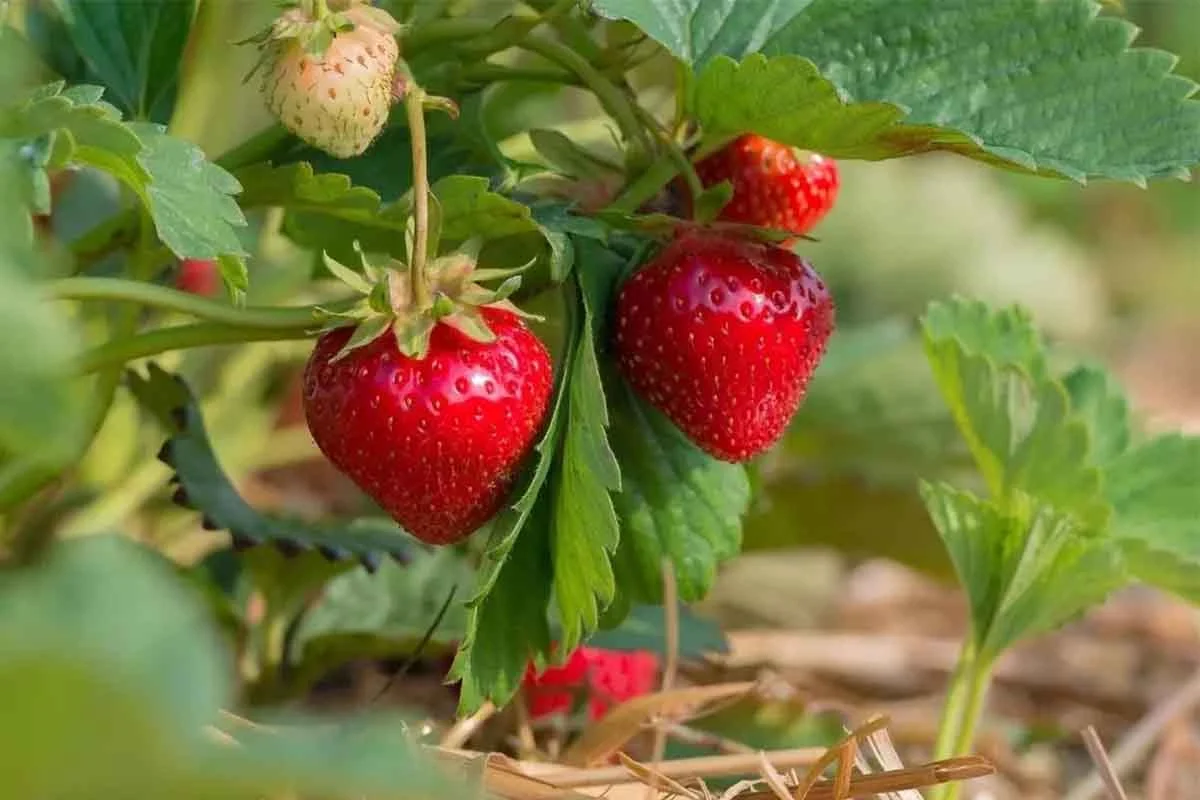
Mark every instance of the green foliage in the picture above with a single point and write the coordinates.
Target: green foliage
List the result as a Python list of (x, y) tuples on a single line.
[(132, 48), (104, 635), (645, 629), (385, 614), (204, 486), (1001, 68)]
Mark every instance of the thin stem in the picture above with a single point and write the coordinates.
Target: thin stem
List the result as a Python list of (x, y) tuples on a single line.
[(180, 337), (678, 158), (616, 103), (414, 107), (648, 184), (964, 707), (168, 299)]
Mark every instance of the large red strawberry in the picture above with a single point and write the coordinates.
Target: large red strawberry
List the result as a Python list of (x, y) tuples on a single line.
[(430, 411), (604, 677), (721, 334), (330, 79), (774, 185)]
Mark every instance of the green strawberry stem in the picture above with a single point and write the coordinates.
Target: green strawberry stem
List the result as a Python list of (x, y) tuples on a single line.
[(180, 337), (677, 157), (960, 716), (414, 107), (169, 299)]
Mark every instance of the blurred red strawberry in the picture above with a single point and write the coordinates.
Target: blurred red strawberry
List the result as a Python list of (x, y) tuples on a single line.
[(198, 276), (606, 678)]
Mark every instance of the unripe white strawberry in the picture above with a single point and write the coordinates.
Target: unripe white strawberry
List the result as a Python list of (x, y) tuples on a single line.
[(330, 81)]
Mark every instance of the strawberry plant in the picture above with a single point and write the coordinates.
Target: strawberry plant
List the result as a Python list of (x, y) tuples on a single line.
[(547, 280)]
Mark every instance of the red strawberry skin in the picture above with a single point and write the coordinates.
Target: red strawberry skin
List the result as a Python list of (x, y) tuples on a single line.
[(437, 442), (606, 677), (774, 186), (722, 334), (198, 276)]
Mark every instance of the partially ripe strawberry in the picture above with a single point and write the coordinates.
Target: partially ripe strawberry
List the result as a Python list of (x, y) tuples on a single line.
[(774, 185), (330, 81), (198, 276), (722, 334), (430, 411), (606, 678)]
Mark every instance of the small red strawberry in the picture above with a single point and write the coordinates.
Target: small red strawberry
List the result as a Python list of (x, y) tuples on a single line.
[(330, 79), (430, 410), (605, 678), (198, 276), (774, 185), (722, 334)]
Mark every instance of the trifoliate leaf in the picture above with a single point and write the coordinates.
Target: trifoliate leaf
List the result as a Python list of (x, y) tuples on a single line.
[(585, 530), (1026, 569), (1099, 401), (204, 486), (1015, 418), (676, 502)]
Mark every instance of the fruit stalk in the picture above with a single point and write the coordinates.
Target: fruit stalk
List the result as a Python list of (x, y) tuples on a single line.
[(414, 107)]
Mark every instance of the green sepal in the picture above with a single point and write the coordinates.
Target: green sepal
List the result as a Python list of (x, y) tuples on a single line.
[(413, 334), (368, 331)]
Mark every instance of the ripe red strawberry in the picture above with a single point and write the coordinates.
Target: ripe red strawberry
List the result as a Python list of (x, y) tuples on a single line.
[(774, 186), (330, 80), (430, 411), (198, 276), (722, 334), (605, 677)]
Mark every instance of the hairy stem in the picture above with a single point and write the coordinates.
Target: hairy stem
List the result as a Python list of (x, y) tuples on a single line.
[(648, 184), (168, 299), (414, 107), (677, 157)]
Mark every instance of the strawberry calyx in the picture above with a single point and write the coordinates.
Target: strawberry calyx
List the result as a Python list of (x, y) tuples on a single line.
[(314, 26), (455, 298)]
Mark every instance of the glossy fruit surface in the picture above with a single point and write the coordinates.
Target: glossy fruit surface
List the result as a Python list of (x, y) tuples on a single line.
[(774, 185), (722, 334), (604, 677), (438, 441)]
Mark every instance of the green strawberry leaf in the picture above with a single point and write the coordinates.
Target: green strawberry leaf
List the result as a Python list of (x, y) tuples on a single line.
[(507, 619), (1099, 401), (325, 210), (1016, 419), (507, 625), (382, 615), (133, 48), (585, 531), (697, 30), (190, 198), (105, 630), (1156, 522), (1026, 570), (204, 486), (645, 629), (676, 502), (568, 157), (850, 78), (101, 139)]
